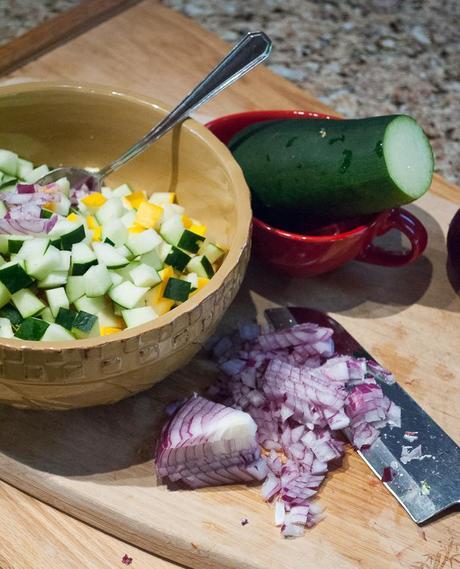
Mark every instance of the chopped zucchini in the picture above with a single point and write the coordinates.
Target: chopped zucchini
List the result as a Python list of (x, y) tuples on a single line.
[(53, 280), (201, 266), (127, 295), (57, 298), (56, 333), (97, 281), (177, 259), (6, 330), (5, 295), (213, 252), (32, 329), (12, 313), (138, 316), (75, 288), (40, 267), (85, 325), (143, 242), (27, 303), (172, 230), (144, 275), (190, 241), (14, 277), (66, 317), (94, 304), (82, 259), (177, 289)]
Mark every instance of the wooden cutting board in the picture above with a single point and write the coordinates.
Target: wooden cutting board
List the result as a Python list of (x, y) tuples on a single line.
[(96, 464)]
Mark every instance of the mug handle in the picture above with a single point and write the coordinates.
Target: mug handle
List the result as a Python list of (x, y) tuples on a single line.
[(411, 227)]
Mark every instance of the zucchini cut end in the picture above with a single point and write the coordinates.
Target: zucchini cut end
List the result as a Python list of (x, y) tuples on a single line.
[(408, 156)]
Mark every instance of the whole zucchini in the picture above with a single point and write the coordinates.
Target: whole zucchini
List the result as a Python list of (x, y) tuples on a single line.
[(326, 170)]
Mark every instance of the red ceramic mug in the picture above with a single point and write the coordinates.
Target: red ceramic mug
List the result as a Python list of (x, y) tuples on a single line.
[(302, 255)]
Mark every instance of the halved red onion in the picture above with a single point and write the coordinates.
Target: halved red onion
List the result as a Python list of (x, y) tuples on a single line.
[(205, 443)]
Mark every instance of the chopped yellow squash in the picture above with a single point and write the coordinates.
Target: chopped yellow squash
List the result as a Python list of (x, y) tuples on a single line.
[(187, 221), (91, 221), (136, 198), (97, 233), (135, 228), (198, 229), (107, 330), (94, 200), (148, 215), (73, 217)]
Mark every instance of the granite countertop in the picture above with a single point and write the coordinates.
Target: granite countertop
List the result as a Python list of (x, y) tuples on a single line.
[(361, 57)]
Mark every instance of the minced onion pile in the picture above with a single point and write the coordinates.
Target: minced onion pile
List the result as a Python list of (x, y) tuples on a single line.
[(282, 402)]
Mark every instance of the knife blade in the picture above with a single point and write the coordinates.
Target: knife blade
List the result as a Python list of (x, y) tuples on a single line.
[(425, 487)]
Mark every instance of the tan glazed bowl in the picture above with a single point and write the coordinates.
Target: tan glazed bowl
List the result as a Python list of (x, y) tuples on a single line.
[(85, 125)]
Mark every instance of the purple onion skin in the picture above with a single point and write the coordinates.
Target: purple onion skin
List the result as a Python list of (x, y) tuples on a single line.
[(453, 250)]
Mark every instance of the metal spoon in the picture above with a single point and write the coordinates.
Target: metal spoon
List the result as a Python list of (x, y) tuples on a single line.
[(254, 48)]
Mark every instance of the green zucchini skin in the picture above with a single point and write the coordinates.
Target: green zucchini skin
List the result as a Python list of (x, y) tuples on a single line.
[(322, 169)]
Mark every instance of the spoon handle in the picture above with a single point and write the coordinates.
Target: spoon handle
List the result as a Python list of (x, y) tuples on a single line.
[(254, 48)]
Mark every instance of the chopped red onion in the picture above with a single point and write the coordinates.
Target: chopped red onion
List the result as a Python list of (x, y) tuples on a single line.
[(301, 396), (25, 188)]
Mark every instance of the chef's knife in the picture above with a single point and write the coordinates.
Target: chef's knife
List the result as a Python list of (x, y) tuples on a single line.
[(426, 486)]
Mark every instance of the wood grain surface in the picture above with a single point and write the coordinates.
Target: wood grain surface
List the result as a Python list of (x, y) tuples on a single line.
[(61, 28), (96, 463)]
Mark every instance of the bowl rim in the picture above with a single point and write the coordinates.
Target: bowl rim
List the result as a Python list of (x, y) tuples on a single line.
[(242, 204), (271, 229)]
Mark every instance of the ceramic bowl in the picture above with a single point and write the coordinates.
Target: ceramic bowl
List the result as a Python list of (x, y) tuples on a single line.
[(88, 126)]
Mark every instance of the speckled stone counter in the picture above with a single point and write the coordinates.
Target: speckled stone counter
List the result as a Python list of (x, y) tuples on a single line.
[(361, 57)]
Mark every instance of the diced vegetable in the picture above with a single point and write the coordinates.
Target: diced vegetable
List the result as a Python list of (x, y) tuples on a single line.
[(47, 315), (144, 276), (97, 281), (213, 252), (85, 325), (172, 230), (12, 313), (177, 290), (40, 267), (32, 329), (9, 162), (143, 242), (82, 258), (94, 305), (57, 299), (5, 295), (177, 259), (201, 266), (127, 295), (75, 263), (66, 317), (190, 241), (27, 303), (14, 277), (108, 256), (75, 288), (53, 280), (56, 333), (137, 316), (152, 259), (112, 209), (6, 330), (116, 231), (16, 242), (148, 215)]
